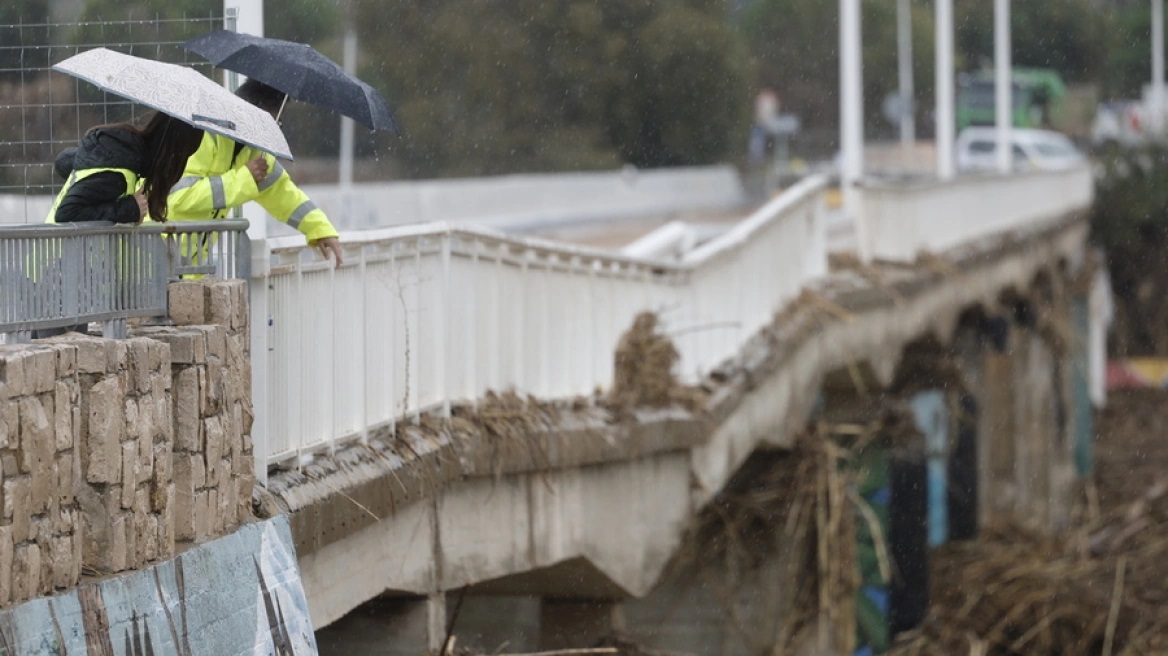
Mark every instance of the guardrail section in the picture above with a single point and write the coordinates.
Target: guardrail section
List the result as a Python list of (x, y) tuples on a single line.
[(900, 220), (55, 275), (420, 318)]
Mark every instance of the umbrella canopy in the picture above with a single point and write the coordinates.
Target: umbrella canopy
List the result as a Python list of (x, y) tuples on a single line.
[(181, 92), (297, 70)]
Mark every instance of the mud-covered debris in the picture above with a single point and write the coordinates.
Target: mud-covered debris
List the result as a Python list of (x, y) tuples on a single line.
[(644, 375)]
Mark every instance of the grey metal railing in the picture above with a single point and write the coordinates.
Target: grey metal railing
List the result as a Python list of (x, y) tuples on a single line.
[(54, 276)]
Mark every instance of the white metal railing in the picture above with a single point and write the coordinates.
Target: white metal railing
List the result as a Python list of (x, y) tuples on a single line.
[(422, 317), (900, 220)]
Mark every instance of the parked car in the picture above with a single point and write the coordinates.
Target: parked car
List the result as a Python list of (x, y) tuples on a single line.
[(976, 150)]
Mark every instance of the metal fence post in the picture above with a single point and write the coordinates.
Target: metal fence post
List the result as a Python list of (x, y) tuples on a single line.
[(248, 16)]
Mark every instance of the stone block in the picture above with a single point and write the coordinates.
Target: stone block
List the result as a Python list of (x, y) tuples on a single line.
[(17, 506), (66, 360), (43, 487), (61, 561), (37, 440), (219, 301), (147, 428), (131, 469), (215, 442), (216, 342), (160, 384), (133, 550), (118, 557), (245, 476), (159, 357), (65, 470), (91, 356), (40, 369), (117, 354), (229, 503), (142, 501), (206, 398), (182, 345), (237, 351), (162, 473), (139, 361), (102, 456), (187, 302), (203, 511), (77, 426), (9, 423), (187, 428), (6, 557), (9, 464), (133, 420), (161, 412), (241, 317), (12, 371), (64, 403), (182, 509), (26, 572), (65, 522), (218, 519), (148, 538), (78, 544), (146, 461), (190, 469), (166, 526)]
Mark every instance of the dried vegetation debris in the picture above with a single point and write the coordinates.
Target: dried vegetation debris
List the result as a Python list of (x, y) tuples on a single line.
[(643, 370), (1097, 589)]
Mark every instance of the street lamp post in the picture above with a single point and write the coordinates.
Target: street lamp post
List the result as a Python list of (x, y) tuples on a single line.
[(1003, 86), (851, 112), (945, 119)]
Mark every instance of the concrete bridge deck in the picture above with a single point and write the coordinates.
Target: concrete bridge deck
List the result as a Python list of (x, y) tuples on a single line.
[(457, 418)]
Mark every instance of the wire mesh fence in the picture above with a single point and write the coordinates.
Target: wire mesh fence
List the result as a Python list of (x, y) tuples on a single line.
[(43, 111)]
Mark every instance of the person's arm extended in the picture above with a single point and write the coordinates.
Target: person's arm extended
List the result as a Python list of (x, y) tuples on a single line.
[(204, 196), (287, 203), (99, 197)]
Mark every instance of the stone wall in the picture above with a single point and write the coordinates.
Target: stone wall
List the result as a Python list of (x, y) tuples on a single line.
[(213, 465), (40, 422), (114, 451)]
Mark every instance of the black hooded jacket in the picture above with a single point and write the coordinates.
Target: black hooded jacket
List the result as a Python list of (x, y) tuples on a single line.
[(101, 196)]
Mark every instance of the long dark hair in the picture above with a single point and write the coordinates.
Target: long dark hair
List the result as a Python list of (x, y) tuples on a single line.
[(169, 143)]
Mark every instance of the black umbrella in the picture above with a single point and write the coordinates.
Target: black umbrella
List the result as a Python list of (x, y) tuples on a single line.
[(297, 70)]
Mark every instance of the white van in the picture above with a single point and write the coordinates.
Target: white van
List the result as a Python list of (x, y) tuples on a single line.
[(976, 150)]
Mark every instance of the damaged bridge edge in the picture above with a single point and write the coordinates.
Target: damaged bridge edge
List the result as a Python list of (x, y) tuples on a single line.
[(758, 398)]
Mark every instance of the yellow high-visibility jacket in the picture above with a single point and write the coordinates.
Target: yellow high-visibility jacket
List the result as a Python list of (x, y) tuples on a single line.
[(217, 178), (77, 176), (47, 258)]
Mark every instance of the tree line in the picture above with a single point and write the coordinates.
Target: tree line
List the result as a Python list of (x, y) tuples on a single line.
[(500, 86)]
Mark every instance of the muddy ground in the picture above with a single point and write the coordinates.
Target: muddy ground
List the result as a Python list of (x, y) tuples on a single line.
[(1102, 588)]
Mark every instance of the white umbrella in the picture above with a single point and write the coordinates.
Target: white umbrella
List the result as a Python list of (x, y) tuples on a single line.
[(181, 92)]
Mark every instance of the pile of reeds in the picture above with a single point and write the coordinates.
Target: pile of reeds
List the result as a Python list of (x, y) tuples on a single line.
[(794, 507), (1099, 588)]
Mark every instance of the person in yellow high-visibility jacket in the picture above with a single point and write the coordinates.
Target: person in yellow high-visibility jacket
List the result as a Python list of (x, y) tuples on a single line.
[(119, 173), (223, 174), (122, 171)]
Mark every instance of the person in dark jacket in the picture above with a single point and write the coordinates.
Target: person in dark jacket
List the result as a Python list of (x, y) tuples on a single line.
[(122, 172)]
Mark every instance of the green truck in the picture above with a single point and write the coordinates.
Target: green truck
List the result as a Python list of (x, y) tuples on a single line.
[(1038, 98)]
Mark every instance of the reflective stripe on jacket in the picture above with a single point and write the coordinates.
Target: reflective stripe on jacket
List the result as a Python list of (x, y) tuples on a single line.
[(217, 178), (76, 176)]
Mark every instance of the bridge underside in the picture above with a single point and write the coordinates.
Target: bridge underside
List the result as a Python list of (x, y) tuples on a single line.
[(585, 500)]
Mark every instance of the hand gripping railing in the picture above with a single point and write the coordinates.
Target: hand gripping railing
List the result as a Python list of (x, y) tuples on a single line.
[(60, 275)]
